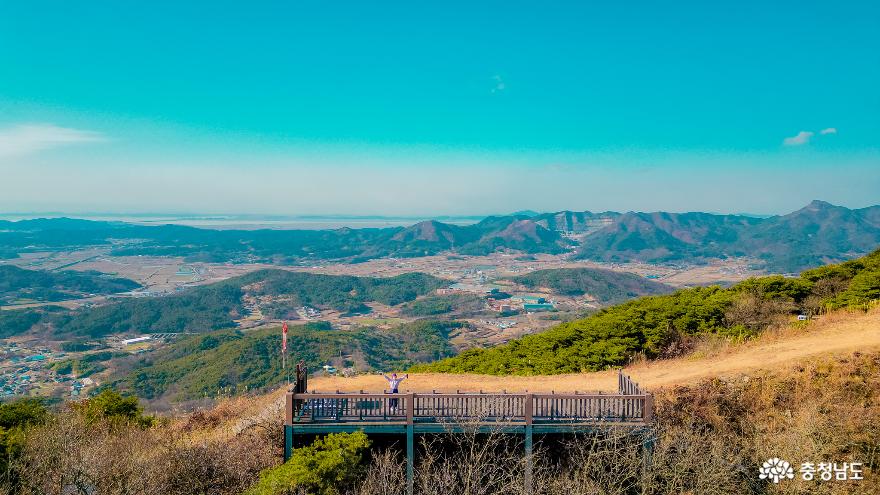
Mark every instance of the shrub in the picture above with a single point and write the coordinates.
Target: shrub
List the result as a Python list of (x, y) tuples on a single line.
[(15, 417), (776, 287), (110, 405), (326, 467), (864, 288)]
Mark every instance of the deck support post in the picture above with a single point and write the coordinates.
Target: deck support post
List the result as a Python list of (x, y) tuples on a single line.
[(410, 445), (529, 409), (288, 442), (410, 459), (288, 424), (529, 461), (647, 457)]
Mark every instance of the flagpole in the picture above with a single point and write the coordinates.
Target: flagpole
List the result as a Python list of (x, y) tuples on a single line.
[(284, 351)]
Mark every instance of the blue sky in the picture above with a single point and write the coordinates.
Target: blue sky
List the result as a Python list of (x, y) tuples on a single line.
[(441, 108)]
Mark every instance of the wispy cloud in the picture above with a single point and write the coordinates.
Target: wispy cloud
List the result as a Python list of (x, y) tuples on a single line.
[(804, 137), (499, 84), (30, 138), (799, 139)]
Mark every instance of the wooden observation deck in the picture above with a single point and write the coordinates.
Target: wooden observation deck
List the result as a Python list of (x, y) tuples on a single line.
[(409, 414)]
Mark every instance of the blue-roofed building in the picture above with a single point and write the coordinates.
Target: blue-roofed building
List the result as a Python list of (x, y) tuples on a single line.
[(539, 307)]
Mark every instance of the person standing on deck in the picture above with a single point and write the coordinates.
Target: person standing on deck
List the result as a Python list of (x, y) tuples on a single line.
[(393, 384)]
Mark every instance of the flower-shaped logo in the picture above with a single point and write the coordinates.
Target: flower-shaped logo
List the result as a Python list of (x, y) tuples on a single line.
[(776, 469)]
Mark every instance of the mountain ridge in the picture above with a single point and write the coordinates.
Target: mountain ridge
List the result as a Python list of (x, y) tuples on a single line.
[(816, 234)]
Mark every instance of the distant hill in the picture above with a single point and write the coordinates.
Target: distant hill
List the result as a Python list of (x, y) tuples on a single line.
[(204, 364), (457, 305), (430, 237), (605, 285), (656, 326), (216, 306), (516, 233), (18, 321), (20, 285), (816, 234), (282, 246), (660, 237)]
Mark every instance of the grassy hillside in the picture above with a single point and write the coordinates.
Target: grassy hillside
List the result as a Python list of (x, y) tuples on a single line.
[(656, 326), (339, 292), (605, 285), (215, 306), (204, 364), (18, 284), (18, 321), (200, 309)]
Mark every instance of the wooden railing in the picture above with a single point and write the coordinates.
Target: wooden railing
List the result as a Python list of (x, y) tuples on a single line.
[(631, 404), (626, 386), (461, 407)]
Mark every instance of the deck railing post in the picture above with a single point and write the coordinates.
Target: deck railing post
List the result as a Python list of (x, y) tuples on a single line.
[(648, 413)]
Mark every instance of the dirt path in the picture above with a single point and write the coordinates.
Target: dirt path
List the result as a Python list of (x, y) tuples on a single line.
[(838, 334), (842, 333)]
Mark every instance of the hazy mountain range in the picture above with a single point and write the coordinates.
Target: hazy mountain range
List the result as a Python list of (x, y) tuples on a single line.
[(816, 234)]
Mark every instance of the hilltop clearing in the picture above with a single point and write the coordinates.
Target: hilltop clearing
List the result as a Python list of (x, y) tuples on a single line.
[(837, 334)]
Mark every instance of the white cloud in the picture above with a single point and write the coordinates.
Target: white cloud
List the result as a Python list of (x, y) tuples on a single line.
[(800, 139), (30, 138), (829, 130), (499, 84)]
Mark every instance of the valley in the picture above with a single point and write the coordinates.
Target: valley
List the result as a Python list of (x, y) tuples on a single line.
[(166, 275), (135, 291)]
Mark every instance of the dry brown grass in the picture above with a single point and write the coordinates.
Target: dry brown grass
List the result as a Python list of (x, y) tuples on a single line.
[(73, 455), (836, 334), (824, 409)]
